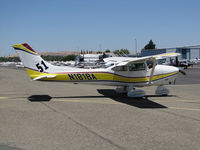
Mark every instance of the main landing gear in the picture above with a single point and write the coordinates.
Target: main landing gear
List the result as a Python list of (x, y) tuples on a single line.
[(130, 91)]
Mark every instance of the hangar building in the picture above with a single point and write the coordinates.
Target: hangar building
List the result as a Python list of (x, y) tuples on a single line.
[(188, 52)]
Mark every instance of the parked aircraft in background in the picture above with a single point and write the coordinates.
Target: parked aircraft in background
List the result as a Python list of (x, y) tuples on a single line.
[(179, 63)]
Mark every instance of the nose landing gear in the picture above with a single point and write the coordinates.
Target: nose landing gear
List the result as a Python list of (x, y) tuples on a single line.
[(162, 90)]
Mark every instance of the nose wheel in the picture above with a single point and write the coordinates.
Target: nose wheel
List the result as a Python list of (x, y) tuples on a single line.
[(162, 90)]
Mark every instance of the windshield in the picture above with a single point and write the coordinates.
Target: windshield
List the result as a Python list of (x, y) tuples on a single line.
[(136, 67)]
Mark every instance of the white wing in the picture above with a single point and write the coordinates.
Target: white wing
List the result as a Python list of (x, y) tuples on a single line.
[(166, 55), (117, 60)]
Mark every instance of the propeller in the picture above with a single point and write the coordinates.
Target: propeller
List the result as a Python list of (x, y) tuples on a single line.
[(181, 70)]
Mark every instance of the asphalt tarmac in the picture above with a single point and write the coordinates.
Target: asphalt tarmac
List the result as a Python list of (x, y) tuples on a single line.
[(93, 117)]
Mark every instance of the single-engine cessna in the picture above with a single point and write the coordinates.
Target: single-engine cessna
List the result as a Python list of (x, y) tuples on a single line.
[(124, 72)]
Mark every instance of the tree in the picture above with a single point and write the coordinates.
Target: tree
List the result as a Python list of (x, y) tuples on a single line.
[(107, 51), (124, 51), (121, 51), (99, 52), (9, 59), (59, 58), (150, 45), (69, 57), (117, 52)]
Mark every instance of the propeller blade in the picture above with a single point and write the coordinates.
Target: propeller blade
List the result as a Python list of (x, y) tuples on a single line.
[(182, 71)]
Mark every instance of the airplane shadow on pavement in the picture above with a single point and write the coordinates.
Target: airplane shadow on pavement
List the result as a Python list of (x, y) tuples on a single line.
[(109, 93), (143, 102)]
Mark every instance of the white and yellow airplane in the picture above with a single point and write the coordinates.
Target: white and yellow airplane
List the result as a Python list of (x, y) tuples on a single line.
[(125, 72)]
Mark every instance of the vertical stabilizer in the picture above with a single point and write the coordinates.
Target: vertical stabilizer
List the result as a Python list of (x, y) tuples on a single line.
[(34, 64)]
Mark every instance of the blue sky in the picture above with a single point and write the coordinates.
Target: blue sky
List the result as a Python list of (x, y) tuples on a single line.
[(57, 25)]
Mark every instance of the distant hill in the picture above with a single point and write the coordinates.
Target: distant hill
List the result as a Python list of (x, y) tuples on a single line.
[(61, 53)]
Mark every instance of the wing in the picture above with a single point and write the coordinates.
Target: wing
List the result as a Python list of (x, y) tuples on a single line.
[(166, 55), (126, 59), (135, 60)]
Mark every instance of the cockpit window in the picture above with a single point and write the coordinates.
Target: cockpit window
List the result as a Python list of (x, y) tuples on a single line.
[(136, 67)]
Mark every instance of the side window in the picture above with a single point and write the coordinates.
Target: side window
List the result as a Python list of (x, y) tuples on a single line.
[(137, 67), (120, 68), (124, 68)]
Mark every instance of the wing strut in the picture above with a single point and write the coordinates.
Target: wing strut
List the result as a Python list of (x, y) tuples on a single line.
[(152, 70)]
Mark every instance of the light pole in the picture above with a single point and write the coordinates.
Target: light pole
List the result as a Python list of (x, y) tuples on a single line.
[(136, 46)]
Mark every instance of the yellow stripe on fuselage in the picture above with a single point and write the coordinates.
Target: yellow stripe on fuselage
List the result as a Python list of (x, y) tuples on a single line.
[(101, 76)]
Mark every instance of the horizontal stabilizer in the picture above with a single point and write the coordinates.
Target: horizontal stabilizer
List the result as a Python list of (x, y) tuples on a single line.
[(44, 76)]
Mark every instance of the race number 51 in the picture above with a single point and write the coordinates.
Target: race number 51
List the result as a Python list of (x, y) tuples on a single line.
[(42, 66)]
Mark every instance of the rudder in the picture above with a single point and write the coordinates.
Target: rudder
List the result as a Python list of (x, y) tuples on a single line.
[(33, 63)]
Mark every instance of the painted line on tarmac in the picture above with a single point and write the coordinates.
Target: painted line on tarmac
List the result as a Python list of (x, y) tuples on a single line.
[(95, 102), (167, 101), (182, 108), (4, 98), (12, 98), (22, 99), (88, 101)]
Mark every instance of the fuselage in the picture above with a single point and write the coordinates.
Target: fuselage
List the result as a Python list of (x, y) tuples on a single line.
[(162, 75)]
